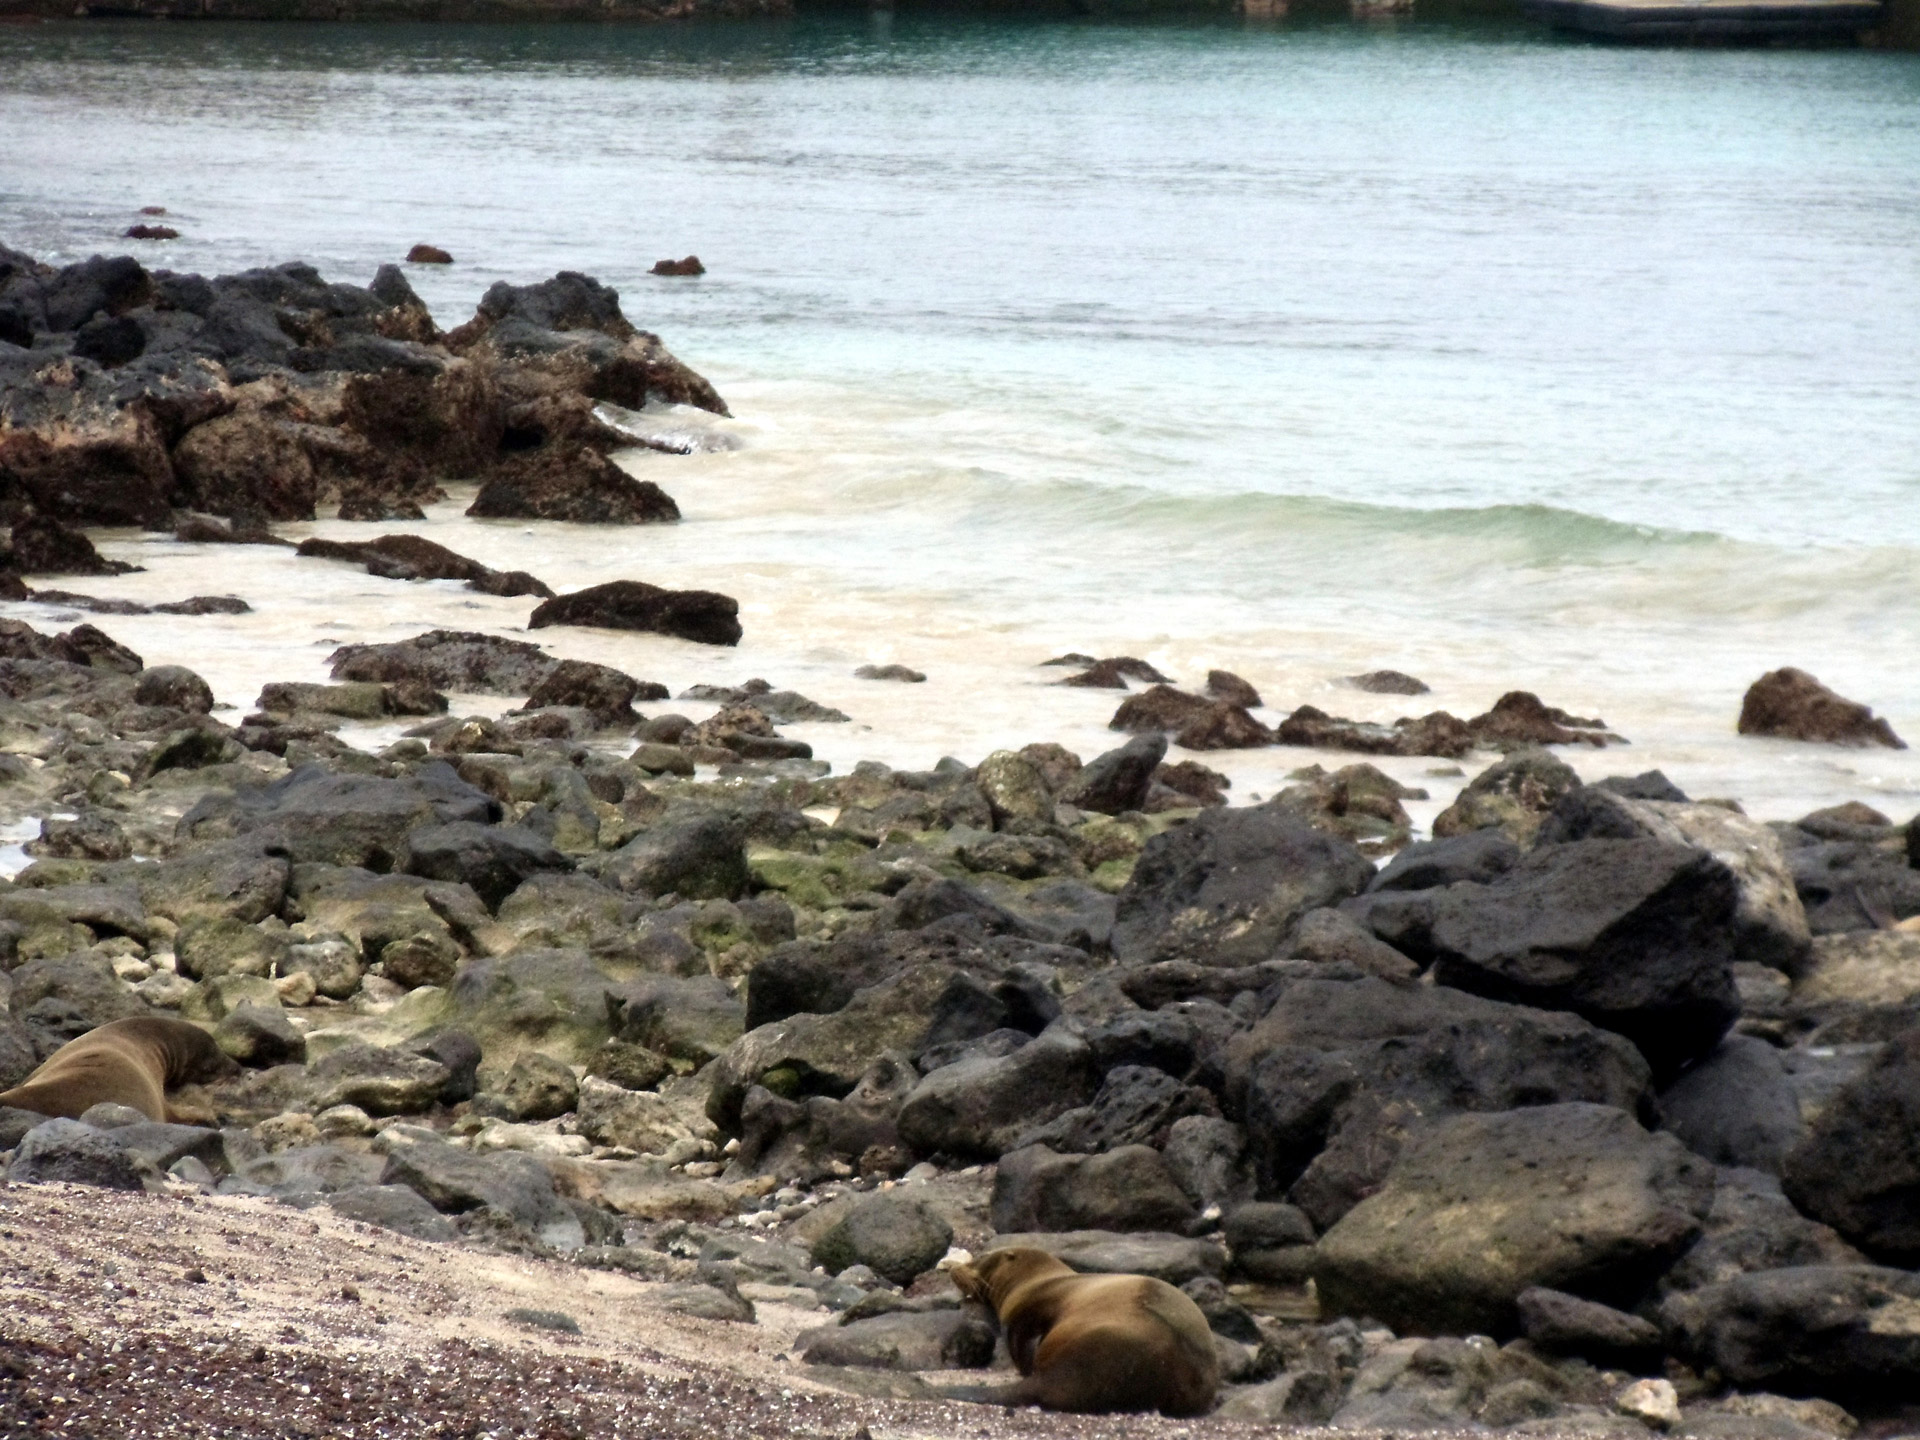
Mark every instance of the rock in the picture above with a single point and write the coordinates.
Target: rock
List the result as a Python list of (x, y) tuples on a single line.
[(1207, 1158), (895, 1235), (260, 1036), (456, 1050), (41, 545), (1514, 795), (1844, 1332), (1194, 723), (602, 691), (211, 946), (1387, 682), (1769, 921), (1736, 1107), (538, 1087), (554, 1001), (639, 1120), (174, 687), (456, 1182), (1111, 673), (1807, 1419), (1305, 1398), (715, 1297), (1479, 856), (902, 673), (1334, 938), (693, 1019), (1752, 1227), (1184, 784), (1119, 780), (1227, 686), (903, 1340), (66, 1150), (313, 815), (1016, 790), (979, 1107), (699, 856), (493, 859), (1227, 888), (1438, 734), (1652, 1402), (578, 485), (448, 660), (1789, 704), (1339, 1074), (1359, 803), (428, 255), (379, 1080), (1098, 1252), (1135, 1105), (1518, 720), (1128, 1188), (393, 1207), (88, 837), (1479, 1208), (1858, 1169), (698, 615), (1563, 1324), (1631, 934), (630, 1066), (689, 266), (414, 557)]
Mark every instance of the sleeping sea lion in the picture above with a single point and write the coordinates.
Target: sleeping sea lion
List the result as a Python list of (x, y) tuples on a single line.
[(1093, 1344), (129, 1062)]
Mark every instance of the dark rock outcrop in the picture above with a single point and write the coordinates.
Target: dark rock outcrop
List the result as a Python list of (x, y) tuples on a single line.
[(413, 557), (700, 615), (1859, 1167), (1789, 704)]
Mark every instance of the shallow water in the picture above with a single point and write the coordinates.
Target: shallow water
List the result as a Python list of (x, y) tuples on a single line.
[(1298, 350)]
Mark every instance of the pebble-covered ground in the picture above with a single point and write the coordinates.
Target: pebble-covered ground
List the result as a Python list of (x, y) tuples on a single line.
[(162, 1316)]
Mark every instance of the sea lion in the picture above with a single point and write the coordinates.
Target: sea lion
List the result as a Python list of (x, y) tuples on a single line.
[(1093, 1344), (129, 1062)]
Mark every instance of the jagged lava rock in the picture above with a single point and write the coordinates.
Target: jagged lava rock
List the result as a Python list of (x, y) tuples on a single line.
[(1789, 704)]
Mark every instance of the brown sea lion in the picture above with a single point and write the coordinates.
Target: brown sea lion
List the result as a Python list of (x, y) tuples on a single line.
[(128, 1062), (1093, 1344)]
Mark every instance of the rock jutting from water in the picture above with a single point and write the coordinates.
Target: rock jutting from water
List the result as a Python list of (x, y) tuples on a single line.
[(1600, 1102), (127, 395)]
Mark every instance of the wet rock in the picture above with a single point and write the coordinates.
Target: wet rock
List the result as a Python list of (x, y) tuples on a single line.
[(1119, 780), (1387, 682), (1227, 888), (414, 557), (448, 660), (698, 615), (1518, 720), (1632, 934), (1563, 1324), (1357, 802), (903, 673), (428, 255), (577, 485), (1839, 1331), (979, 1107), (604, 692), (1736, 1107), (1227, 686), (174, 687), (1127, 1188), (1186, 783), (690, 265), (1571, 1197), (903, 1340), (1193, 722), (1789, 704), (1438, 734), (1514, 795), (895, 1235), (1110, 674)]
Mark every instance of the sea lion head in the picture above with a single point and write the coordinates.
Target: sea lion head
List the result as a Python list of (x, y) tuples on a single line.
[(998, 1273)]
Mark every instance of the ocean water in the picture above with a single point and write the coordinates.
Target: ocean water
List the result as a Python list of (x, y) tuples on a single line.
[(1298, 349)]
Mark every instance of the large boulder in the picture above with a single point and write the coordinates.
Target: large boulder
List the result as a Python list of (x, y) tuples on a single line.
[(1513, 796), (448, 660), (902, 1340), (315, 815), (1171, 1258), (1848, 1332), (1228, 887), (80, 1155), (702, 615), (516, 1184), (1632, 934), (1858, 1168), (1128, 1188), (492, 859), (1334, 1078), (1752, 1226), (698, 856), (693, 1019), (577, 484), (894, 1235), (1119, 780), (1480, 1208), (1789, 704), (549, 1000), (1769, 922), (981, 1107)]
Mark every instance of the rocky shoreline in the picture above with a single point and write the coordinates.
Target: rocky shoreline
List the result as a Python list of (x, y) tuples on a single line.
[(1599, 1111)]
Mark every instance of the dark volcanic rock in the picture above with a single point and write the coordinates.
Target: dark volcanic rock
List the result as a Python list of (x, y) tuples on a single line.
[(1118, 780), (902, 1340), (894, 1235), (1334, 1079), (604, 692), (1112, 673), (1438, 734), (1632, 934), (1479, 856), (41, 545), (413, 557), (1563, 1324), (1845, 1332), (633, 605), (581, 486), (1227, 686), (1514, 795), (1736, 1107), (449, 660), (1790, 704), (493, 859), (1481, 1208), (1127, 1188), (1519, 719), (1227, 888), (1859, 1167), (979, 1107), (1388, 682), (174, 687), (79, 1154)]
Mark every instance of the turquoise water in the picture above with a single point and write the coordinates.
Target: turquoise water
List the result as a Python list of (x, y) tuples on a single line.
[(1504, 359)]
